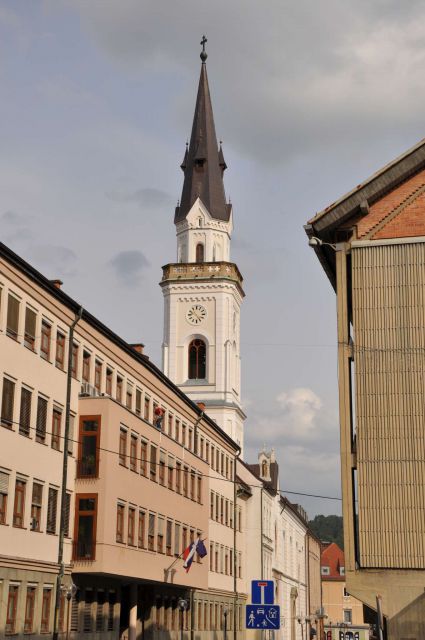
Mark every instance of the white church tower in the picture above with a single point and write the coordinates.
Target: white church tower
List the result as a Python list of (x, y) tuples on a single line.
[(203, 289)]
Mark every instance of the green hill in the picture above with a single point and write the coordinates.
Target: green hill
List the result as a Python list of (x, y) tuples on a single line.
[(328, 529)]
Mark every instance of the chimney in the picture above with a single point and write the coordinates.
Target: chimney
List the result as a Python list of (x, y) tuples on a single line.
[(57, 283), (138, 346), (201, 405)]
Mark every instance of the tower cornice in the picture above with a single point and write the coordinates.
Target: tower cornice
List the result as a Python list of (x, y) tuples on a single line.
[(211, 272)]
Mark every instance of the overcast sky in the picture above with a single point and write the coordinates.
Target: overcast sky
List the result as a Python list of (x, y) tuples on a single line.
[(97, 100)]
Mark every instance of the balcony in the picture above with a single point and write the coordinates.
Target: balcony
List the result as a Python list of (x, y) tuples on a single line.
[(202, 271), (84, 549), (88, 468)]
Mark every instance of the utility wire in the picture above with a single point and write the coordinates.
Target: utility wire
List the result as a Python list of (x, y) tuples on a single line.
[(149, 463)]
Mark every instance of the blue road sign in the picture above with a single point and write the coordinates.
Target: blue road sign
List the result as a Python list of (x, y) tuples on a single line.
[(262, 592), (262, 616)]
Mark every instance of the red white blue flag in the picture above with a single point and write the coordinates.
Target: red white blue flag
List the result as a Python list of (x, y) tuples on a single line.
[(189, 553)]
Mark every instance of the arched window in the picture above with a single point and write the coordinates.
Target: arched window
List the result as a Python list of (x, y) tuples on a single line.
[(264, 471), (197, 360), (199, 252)]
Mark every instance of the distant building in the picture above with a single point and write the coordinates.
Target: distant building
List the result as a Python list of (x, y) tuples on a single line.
[(371, 244), (340, 607)]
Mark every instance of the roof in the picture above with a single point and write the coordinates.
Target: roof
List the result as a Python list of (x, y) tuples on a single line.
[(47, 285), (333, 557), (203, 163), (274, 475), (360, 202)]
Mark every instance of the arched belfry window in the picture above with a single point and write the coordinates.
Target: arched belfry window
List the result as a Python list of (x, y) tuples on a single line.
[(199, 252), (264, 471), (197, 356)]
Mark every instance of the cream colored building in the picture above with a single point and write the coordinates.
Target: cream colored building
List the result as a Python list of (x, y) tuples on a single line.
[(371, 244)]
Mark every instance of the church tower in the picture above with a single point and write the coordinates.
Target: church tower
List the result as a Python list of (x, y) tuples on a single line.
[(203, 289)]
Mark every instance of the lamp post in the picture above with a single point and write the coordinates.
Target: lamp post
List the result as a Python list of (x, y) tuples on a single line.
[(68, 600), (301, 623), (307, 621), (183, 605), (225, 612)]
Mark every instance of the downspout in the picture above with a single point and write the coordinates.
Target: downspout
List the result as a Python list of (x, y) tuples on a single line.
[(64, 475), (261, 533), (235, 584)]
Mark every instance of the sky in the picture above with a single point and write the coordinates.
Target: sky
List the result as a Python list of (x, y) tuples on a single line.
[(309, 98)]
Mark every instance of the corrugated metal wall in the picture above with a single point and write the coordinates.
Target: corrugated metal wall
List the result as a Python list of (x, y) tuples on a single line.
[(388, 294)]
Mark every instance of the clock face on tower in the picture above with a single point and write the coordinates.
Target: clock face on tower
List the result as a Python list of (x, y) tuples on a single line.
[(196, 314)]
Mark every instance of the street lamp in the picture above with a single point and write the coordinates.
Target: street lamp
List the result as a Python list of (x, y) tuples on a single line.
[(314, 241), (301, 623), (225, 613), (183, 605)]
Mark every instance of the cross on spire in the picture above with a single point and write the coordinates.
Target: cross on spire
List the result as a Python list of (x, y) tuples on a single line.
[(204, 54)]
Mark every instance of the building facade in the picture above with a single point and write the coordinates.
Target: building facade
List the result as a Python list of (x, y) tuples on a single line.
[(371, 244)]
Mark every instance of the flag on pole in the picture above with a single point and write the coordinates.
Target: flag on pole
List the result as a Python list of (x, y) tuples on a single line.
[(189, 553)]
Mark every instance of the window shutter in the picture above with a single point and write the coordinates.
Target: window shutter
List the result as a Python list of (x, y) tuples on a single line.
[(151, 524), (71, 435), (7, 401), (12, 316), (25, 415), (4, 483), (51, 510), (41, 419), (67, 513), (30, 320)]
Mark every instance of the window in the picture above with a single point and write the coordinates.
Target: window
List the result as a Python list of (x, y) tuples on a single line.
[(88, 456), (56, 429), (86, 366), (138, 402), (29, 610), (342, 571), (170, 425), (146, 410), (160, 547), (74, 360), (199, 252), (162, 468), (192, 485), (97, 374), (131, 525), (217, 507), (85, 526), (120, 523), (45, 610), (129, 399), (8, 396), (178, 477), (184, 435), (29, 336), (185, 481), (190, 443), (119, 389), (144, 458), (60, 350), (12, 603), (176, 539), (36, 500), (67, 514), (212, 458), (108, 385), (168, 537), (25, 413), (123, 447), (111, 606), (133, 453), (207, 452), (142, 529), (153, 463), (197, 358), (325, 571), (184, 538), (12, 317), (40, 427), (151, 532), (212, 505), (19, 504), (4, 489), (52, 505), (170, 473), (46, 331), (71, 435), (199, 489), (348, 618)]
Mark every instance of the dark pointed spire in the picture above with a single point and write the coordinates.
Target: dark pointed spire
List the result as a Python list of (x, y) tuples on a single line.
[(186, 153), (221, 160), (203, 163)]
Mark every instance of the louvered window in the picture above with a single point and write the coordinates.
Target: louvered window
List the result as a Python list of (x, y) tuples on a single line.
[(52, 510), (67, 514), (46, 331), (151, 532), (138, 402), (40, 428), (30, 320), (25, 413), (37, 496), (56, 429), (4, 488), (12, 317), (7, 402), (19, 504), (60, 350), (45, 610)]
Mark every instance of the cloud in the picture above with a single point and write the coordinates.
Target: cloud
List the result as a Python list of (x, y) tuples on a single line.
[(300, 408), (147, 198), (306, 82), (129, 266), (58, 261)]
